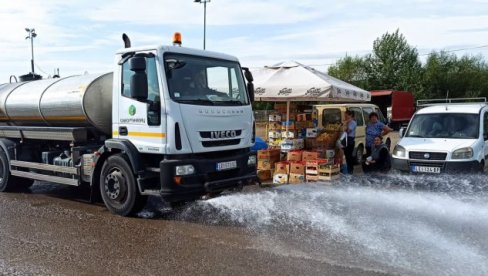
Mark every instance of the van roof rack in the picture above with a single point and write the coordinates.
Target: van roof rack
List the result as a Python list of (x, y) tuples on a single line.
[(424, 103)]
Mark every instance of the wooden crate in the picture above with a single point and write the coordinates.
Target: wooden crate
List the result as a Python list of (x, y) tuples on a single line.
[(329, 172)]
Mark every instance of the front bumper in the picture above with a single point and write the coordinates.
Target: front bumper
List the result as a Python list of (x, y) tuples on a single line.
[(206, 178), (405, 165)]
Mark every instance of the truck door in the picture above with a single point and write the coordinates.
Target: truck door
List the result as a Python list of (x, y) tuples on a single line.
[(140, 120)]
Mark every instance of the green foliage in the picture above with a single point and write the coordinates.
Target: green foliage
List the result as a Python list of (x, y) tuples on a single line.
[(446, 75), (351, 70), (394, 64)]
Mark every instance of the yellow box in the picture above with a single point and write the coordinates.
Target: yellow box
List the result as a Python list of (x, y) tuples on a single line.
[(280, 178)]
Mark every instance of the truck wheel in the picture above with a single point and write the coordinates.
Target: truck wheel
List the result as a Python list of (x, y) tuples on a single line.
[(8, 182), (359, 154), (118, 187)]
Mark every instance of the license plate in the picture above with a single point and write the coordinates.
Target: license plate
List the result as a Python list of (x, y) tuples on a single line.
[(424, 169), (226, 165)]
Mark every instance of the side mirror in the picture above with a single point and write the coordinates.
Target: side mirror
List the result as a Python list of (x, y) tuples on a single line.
[(138, 81), (401, 132), (250, 85)]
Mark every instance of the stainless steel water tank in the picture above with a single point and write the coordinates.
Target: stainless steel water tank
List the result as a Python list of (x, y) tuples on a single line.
[(69, 102)]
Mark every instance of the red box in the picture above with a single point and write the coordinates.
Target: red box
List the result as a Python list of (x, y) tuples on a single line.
[(294, 155), (282, 167), (310, 155), (297, 167)]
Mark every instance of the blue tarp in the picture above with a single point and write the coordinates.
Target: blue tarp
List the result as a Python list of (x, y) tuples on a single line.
[(259, 145)]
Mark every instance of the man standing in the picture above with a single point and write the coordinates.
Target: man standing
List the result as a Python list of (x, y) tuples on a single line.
[(350, 129)]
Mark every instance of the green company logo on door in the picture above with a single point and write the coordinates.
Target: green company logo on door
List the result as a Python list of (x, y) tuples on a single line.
[(132, 110)]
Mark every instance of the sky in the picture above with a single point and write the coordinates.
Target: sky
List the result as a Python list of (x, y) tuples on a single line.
[(82, 36)]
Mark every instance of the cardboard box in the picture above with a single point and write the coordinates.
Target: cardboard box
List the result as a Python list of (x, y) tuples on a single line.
[(288, 134), (275, 118), (290, 124), (274, 134), (297, 167), (294, 178), (265, 164), (282, 167), (294, 155), (310, 155), (264, 175), (274, 125), (312, 132), (280, 178), (295, 144), (274, 142), (269, 154)]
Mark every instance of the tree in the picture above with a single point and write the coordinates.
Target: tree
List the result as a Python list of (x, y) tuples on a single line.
[(394, 64), (351, 70), (446, 75)]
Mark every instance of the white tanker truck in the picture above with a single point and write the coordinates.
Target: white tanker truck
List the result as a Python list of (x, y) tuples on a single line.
[(169, 121)]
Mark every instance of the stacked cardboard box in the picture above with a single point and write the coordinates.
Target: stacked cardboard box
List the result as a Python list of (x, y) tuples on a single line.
[(266, 161), (281, 171)]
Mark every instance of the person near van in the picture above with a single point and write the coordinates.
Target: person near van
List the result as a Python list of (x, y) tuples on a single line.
[(350, 129), (374, 129), (379, 160)]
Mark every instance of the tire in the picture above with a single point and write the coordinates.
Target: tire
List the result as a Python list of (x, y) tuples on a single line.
[(8, 182), (388, 143), (359, 154), (118, 187)]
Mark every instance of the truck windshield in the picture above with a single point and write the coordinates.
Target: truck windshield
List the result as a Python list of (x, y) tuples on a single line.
[(204, 81), (444, 125)]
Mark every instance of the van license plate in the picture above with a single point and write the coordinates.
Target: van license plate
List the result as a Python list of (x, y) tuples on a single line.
[(426, 169), (226, 165)]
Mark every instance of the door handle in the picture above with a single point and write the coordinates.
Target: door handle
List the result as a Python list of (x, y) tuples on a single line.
[(123, 131)]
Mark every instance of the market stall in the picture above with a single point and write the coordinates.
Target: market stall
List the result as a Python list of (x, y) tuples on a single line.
[(292, 130)]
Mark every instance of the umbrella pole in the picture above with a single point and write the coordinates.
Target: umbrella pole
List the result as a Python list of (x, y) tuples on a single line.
[(287, 117)]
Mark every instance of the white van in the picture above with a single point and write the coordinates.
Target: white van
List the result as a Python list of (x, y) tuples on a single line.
[(444, 138)]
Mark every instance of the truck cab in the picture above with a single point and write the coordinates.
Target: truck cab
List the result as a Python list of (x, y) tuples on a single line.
[(196, 115), (444, 138)]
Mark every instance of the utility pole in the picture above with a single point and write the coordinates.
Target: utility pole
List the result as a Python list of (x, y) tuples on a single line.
[(204, 18)]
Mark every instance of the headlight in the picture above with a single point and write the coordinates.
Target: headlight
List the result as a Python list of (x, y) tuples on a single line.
[(252, 160), (399, 151), (185, 170), (464, 153)]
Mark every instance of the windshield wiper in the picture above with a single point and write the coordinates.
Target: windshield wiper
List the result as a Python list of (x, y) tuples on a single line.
[(197, 101)]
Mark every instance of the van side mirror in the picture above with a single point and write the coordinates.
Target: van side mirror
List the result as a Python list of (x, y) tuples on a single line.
[(401, 132), (138, 81)]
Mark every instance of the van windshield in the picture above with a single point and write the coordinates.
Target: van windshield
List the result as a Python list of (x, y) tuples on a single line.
[(445, 125)]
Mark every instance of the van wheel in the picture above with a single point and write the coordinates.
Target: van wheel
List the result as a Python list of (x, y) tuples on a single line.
[(359, 154), (118, 187), (388, 143)]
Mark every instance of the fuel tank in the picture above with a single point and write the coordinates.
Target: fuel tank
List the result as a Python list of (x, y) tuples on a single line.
[(63, 102)]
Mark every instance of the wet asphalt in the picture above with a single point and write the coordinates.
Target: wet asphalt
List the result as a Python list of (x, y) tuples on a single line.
[(54, 230)]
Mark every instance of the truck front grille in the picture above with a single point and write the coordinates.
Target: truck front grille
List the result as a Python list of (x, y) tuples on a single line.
[(421, 155), (221, 143)]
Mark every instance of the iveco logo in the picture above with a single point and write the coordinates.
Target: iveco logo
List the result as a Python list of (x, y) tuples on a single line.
[(427, 156), (223, 134)]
